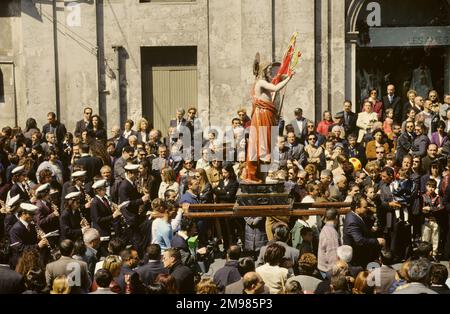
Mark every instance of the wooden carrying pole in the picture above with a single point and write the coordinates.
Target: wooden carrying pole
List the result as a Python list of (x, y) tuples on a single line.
[(299, 209)]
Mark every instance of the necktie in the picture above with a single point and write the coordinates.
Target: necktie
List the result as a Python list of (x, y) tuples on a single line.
[(105, 201), (346, 118)]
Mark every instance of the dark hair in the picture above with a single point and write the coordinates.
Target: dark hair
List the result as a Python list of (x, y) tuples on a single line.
[(356, 201), (441, 124), (186, 223), (281, 233), (79, 248), (131, 122), (103, 278), (115, 246), (30, 124), (128, 149), (339, 283), (167, 193), (229, 168), (246, 265), (274, 253), (234, 252), (168, 282), (84, 148), (66, 247), (294, 287), (175, 253), (438, 274), (100, 122), (305, 231), (154, 252), (419, 270), (389, 171), (432, 183), (331, 214)]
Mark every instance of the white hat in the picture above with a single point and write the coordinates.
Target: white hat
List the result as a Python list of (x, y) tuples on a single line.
[(80, 173), (72, 195), (18, 169), (131, 167), (28, 207), (99, 184), (43, 188), (12, 201)]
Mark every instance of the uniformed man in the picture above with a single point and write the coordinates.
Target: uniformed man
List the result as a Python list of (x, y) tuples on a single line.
[(19, 187), (71, 221)]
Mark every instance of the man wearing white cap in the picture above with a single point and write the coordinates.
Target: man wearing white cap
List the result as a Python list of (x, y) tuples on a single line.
[(78, 185), (19, 188), (12, 206), (103, 216), (23, 234), (46, 217), (71, 222), (138, 230)]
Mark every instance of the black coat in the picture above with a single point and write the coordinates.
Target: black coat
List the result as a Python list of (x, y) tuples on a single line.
[(404, 144), (357, 235), (226, 193), (136, 284), (45, 218), (350, 127), (101, 217), (149, 271), (11, 282), (9, 222), (226, 275), (128, 192), (21, 239), (60, 131), (92, 165), (184, 278), (396, 105), (15, 189), (70, 225), (80, 127)]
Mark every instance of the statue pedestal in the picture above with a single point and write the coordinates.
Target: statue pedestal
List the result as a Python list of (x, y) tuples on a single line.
[(265, 194)]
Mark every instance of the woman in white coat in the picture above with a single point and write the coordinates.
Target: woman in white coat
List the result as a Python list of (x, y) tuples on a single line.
[(365, 120)]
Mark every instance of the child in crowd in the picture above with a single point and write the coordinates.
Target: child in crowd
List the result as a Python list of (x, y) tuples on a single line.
[(401, 189), (431, 203), (389, 121)]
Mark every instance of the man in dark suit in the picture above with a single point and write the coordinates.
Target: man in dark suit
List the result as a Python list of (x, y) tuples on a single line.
[(393, 101), (91, 164), (118, 140), (299, 125), (104, 218), (229, 273), (19, 187), (70, 221), (23, 234), (154, 266), (138, 229), (245, 265), (11, 282), (46, 217), (129, 262), (349, 118), (405, 142), (82, 124), (183, 275), (366, 248), (56, 127), (295, 149)]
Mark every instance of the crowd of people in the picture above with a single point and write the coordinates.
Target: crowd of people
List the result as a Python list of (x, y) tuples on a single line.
[(84, 213)]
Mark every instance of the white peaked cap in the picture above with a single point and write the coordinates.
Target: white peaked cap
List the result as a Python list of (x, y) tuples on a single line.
[(28, 207), (80, 173), (99, 184), (131, 167), (72, 195), (43, 188), (18, 169)]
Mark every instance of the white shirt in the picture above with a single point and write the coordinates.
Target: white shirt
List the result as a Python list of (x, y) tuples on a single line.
[(300, 125), (126, 134), (24, 222)]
